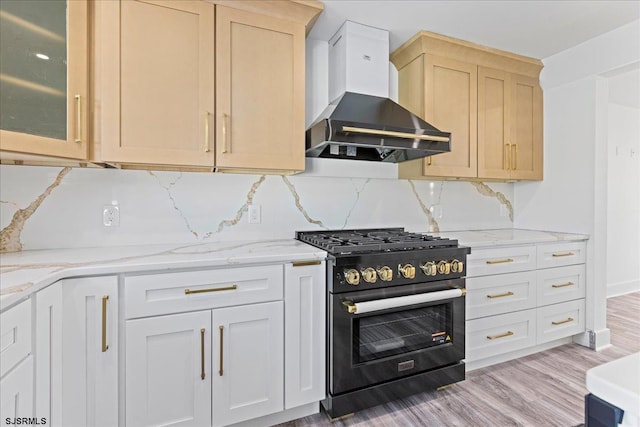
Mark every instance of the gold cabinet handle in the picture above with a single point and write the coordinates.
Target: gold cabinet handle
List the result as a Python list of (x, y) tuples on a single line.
[(202, 291), (429, 161), (305, 263), (78, 137), (221, 352), (514, 163), (225, 149), (407, 135), (562, 254), (495, 337), (207, 136), (499, 261), (105, 347), (202, 353), (567, 320), (562, 285), (506, 294), (507, 156)]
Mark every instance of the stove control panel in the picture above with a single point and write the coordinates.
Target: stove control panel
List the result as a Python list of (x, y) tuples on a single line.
[(367, 274)]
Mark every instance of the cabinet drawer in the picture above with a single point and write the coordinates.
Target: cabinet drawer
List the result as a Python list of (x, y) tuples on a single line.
[(500, 334), (560, 320), (154, 294), (15, 336), (502, 293), (561, 284), (559, 254), (482, 262)]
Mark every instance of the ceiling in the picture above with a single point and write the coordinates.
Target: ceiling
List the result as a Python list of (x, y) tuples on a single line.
[(533, 28)]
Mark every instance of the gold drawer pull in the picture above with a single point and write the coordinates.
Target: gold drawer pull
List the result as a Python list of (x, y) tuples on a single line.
[(562, 285), (221, 352), (494, 337), (500, 261), (202, 353), (207, 135), (563, 254), (506, 294), (78, 137), (567, 320), (305, 263), (105, 346), (202, 291)]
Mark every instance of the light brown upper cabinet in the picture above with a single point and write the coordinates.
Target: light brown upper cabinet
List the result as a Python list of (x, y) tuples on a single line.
[(490, 101), (196, 85), (43, 79), (259, 91)]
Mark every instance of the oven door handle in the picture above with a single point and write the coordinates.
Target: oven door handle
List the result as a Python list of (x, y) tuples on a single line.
[(383, 304)]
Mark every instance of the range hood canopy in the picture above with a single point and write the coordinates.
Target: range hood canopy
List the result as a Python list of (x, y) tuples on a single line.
[(362, 123), (365, 127)]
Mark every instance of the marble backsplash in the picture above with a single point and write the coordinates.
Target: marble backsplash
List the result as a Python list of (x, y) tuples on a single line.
[(48, 207)]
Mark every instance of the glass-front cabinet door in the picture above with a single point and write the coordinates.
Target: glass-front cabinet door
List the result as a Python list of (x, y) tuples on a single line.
[(43, 77)]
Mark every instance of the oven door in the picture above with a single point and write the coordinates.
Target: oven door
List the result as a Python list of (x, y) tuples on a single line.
[(386, 334)]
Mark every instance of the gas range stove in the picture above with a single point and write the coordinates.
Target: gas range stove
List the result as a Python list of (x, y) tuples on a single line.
[(376, 258)]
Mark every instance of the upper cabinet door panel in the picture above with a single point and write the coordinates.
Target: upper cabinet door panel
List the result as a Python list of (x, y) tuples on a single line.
[(494, 103), (159, 75), (451, 103), (259, 91), (526, 128), (43, 77)]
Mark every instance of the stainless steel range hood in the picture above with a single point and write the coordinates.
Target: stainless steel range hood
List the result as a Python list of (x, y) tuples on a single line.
[(365, 127), (362, 123)]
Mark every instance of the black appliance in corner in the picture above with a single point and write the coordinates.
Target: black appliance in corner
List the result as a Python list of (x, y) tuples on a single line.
[(395, 320)]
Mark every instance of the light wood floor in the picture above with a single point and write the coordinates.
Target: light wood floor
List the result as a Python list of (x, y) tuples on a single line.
[(544, 389)]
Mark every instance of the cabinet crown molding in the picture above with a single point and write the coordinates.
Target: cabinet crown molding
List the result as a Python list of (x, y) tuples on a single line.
[(301, 11), (426, 42)]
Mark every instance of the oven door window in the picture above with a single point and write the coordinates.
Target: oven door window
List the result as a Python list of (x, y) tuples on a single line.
[(398, 332)]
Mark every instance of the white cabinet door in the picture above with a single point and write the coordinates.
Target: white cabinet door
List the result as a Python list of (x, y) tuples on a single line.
[(90, 352), (247, 362), (48, 373), (16, 392), (168, 370), (304, 345)]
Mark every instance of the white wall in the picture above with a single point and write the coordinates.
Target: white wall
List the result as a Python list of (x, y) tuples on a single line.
[(623, 184), (573, 195)]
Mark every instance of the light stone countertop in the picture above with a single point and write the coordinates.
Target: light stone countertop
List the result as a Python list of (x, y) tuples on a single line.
[(23, 273), (509, 237)]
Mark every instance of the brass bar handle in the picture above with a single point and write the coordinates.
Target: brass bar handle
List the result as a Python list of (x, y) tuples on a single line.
[(202, 291), (225, 149), (562, 285), (202, 353), (207, 136), (78, 137), (395, 134), (507, 156), (429, 161), (221, 352), (499, 261), (506, 294), (305, 263), (567, 320), (562, 254), (514, 164), (105, 347), (495, 337)]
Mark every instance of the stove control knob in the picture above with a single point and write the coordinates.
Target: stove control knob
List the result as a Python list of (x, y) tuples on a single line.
[(385, 273), (352, 276), (444, 267), (429, 268), (457, 266), (408, 271), (369, 275)]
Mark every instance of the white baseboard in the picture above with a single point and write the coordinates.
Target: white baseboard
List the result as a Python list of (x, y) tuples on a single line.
[(622, 288)]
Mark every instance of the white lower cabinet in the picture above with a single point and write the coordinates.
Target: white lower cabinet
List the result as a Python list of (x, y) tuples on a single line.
[(168, 370), (90, 352), (48, 369), (16, 392), (248, 362)]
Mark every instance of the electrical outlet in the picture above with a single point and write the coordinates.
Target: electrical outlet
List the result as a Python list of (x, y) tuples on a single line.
[(111, 215), (254, 214)]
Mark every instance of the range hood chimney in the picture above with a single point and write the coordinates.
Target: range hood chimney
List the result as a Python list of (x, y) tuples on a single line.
[(361, 122)]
